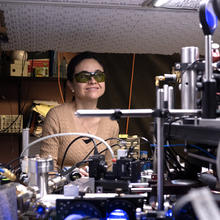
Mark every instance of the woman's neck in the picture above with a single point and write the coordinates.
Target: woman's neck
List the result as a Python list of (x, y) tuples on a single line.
[(85, 104)]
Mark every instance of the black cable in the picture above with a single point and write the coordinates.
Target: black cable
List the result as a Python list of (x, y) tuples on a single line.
[(112, 138), (20, 110), (170, 160), (191, 65), (5, 129), (182, 158), (174, 159), (170, 123), (15, 167), (147, 141), (110, 146), (64, 156), (74, 166), (171, 164), (166, 166), (64, 173), (12, 161)]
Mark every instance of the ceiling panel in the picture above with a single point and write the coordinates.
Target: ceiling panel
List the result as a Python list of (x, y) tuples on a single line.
[(100, 26)]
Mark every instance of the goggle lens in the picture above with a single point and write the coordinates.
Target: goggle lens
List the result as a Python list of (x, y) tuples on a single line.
[(84, 76)]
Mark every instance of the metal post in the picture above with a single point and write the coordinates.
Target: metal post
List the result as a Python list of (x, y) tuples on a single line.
[(208, 58), (209, 83), (170, 97), (25, 140), (160, 150), (188, 86)]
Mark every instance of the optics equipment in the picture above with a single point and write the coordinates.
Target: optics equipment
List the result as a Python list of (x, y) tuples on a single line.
[(208, 18)]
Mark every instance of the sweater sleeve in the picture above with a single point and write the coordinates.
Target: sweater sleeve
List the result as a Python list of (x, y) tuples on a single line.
[(50, 146)]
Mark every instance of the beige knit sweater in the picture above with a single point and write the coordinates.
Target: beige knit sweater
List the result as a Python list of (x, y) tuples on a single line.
[(61, 119)]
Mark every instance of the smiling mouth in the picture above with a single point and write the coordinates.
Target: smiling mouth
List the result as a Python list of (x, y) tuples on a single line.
[(92, 88)]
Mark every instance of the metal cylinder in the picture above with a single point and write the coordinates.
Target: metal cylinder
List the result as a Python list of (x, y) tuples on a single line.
[(208, 76), (188, 88), (25, 140), (170, 97), (160, 99), (209, 102), (160, 150), (166, 96), (38, 169)]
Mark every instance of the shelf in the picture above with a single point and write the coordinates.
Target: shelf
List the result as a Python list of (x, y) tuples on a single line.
[(16, 78), (10, 134), (33, 88)]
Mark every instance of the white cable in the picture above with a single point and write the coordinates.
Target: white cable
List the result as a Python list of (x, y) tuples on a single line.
[(66, 134), (218, 162)]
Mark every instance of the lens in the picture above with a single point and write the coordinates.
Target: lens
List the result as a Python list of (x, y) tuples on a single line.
[(84, 76), (99, 76)]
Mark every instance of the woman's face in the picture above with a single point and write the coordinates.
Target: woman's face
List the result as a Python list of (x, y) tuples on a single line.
[(91, 89)]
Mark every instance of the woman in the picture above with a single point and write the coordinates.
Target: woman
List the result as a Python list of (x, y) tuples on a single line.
[(86, 80)]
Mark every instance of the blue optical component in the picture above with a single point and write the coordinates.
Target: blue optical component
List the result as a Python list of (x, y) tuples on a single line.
[(211, 19), (169, 213), (118, 214), (40, 210), (74, 217), (208, 18)]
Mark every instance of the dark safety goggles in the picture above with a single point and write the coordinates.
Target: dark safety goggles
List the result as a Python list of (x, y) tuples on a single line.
[(85, 76)]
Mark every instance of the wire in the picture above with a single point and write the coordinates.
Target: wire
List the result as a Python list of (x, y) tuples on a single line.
[(58, 80), (173, 157), (112, 138), (203, 150), (168, 159), (111, 147), (67, 134), (131, 85), (12, 161), (170, 123), (73, 167), (64, 173), (5, 129), (68, 147), (20, 111), (190, 145), (147, 141), (191, 65)]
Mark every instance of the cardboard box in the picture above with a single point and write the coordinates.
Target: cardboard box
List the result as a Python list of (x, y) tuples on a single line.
[(19, 68), (39, 67)]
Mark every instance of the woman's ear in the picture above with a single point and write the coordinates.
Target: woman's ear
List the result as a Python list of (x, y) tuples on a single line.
[(70, 85)]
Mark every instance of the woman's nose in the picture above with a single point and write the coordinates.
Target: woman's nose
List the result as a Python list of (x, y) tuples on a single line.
[(92, 80)]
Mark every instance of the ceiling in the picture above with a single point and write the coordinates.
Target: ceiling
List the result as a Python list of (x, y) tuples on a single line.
[(107, 26)]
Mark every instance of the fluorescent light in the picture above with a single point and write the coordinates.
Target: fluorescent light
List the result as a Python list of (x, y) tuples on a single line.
[(177, 4), (159, 3)]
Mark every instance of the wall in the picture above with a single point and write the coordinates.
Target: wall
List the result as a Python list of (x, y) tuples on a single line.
[(18, 93)]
